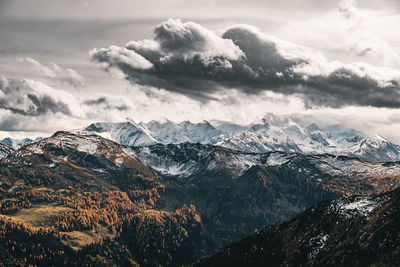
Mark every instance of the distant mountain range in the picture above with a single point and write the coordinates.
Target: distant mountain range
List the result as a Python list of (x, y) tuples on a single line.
[(273, 135), (186, 200), (287, 136), (15, 143)]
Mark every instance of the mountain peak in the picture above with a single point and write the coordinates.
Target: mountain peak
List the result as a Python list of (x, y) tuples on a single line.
[(61, 134)]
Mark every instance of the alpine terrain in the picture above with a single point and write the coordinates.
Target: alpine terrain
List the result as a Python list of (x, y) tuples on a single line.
[(199, 133), (87, 199)]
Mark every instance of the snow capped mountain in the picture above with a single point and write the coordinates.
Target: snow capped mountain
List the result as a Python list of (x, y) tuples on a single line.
[(126, 133), (17, 143), (294, 137), (145, 134), (193, 160), (270, 135), (186, 159), (376, 148), (168, 132)]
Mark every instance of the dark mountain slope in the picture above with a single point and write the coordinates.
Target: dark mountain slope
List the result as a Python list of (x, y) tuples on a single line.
[(354, 231)]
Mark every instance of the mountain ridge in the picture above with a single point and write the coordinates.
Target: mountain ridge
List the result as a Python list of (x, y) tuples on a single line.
[(270, 135), (259, 138)]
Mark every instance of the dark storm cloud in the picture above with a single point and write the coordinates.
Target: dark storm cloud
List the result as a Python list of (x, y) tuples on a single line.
[(105, 103), (192, 60), (31, 98), (97, 101)]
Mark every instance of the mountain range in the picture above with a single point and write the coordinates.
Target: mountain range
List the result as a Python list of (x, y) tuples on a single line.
[(162, 204), (15, 143), (287, 135)]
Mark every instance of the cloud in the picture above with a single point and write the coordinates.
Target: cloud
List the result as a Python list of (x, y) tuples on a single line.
[(54, 71), (349, 9), (350, 32), (28, 105), (362, 39), (187, 58), (33, 98), (106, 102)]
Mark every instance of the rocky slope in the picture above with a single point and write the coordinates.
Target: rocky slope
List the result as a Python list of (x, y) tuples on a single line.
[(68, 160), (353, 231), (4, 151)]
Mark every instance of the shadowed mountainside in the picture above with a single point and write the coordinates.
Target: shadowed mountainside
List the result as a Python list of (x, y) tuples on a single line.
[(354, 231)]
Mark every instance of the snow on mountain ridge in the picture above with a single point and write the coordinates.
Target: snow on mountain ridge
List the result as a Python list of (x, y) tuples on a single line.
[(126, 133), (270, 135), (273, 135)]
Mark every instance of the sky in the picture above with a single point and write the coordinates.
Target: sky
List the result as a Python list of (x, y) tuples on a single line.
[(66, 63)]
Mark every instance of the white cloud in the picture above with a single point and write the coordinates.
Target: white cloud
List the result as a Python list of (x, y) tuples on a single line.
[(29, 105), (350, 33), (54, 71), (115, 56), (33, 98), (145, 104), (363, 41)]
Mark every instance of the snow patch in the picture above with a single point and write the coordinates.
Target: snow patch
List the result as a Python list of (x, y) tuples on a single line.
[(36, 149), (316, 243), (88, 147), (361, 206), (278, 159)]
